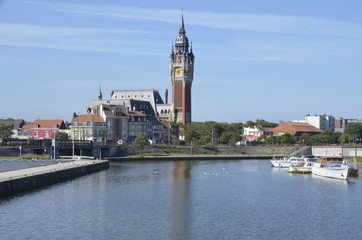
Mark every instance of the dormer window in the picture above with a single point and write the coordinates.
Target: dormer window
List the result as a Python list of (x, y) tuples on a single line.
[(55, 125)]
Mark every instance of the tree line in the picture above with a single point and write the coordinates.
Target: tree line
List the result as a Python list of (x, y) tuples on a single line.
[(213, 133)]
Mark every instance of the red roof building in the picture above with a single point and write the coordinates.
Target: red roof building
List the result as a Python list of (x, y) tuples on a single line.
[(295, 129), (45, 129), (89, 127)]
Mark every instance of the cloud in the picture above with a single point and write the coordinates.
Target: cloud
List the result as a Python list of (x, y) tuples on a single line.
[(74, 39), (241, 22), (59, 31)]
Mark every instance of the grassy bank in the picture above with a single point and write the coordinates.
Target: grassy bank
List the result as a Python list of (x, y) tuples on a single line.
[(29, 156)]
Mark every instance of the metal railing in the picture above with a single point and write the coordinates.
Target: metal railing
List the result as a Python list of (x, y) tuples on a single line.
[(45, 143)]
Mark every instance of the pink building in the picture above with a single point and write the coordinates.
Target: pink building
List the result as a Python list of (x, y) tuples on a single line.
[(45, 129)]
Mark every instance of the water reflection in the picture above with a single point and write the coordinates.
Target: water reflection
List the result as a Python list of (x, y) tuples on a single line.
[(181, 199), (233, 200)]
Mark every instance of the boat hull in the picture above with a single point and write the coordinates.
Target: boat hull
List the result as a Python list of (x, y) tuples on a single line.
[(281, 163), (287, 162), (331, 172), (302, 170)]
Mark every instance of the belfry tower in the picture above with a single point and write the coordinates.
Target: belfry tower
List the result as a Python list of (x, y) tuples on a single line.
[(182, 75)]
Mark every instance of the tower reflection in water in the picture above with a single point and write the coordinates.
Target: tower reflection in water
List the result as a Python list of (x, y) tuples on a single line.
[(181, 199)]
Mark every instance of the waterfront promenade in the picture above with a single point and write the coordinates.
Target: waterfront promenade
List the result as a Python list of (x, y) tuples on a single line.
[(21, 173), (16, 181), (191, 157)]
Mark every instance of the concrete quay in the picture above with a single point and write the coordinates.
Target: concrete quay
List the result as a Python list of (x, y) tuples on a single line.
[(191, 157), (17, 181)]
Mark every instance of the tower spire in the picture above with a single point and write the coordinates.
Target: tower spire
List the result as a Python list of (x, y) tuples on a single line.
[(181, 74), (100, 95), (182, 24)]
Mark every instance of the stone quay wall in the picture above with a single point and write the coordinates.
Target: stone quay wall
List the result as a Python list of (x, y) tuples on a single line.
[(29, 182), (13, 151), (238, 150)]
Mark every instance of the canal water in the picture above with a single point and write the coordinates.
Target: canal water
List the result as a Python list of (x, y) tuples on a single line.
[(188, 200)]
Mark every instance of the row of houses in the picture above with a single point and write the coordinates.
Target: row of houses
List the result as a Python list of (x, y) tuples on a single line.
[(108, 122), (103, 124), (311, 125), (294, 128)]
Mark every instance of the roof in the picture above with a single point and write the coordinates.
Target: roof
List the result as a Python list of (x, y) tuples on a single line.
[(14, 124), (27, 127), (267, 129), (113, 110), (295, 128), (136, 113), (88, 118), (50, 123)]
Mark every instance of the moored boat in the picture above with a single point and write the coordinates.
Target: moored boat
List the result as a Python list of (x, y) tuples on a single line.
[(332, 167), (286, 162), (304, 167)]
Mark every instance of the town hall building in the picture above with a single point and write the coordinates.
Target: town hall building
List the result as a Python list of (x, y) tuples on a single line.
[(181, 76), (129, 110)]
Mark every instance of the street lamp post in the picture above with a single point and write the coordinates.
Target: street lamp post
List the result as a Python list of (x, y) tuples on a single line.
[(73, 146)]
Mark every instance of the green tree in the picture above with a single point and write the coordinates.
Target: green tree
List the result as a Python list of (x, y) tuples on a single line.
[(354, 129), (260, 122), (327, 136), (205, 139), (337, 137), (304, 138), (61, 136), (141, 141), (287, 138), (263, 123), (345, 138), (212, 132), (191, 134), (314, 139), (270, 140), (5, 131), (225, 137), (235, 137)]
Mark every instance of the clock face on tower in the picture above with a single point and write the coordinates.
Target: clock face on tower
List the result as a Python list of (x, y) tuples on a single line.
[(178, 72)]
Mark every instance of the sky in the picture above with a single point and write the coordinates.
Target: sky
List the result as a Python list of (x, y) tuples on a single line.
[(254, 59)]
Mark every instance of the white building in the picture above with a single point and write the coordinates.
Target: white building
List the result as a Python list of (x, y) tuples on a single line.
[(323, 122), (252, 133)]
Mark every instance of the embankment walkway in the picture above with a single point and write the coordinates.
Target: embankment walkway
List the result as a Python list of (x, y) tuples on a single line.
[(12, 182), (192, 157)]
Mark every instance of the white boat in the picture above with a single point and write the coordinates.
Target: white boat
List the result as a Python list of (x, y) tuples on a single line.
[(286, 162), (332, 170), (332, 167), (304, 167)]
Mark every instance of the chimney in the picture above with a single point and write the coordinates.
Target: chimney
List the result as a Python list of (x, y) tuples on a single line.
[(166, 96)]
